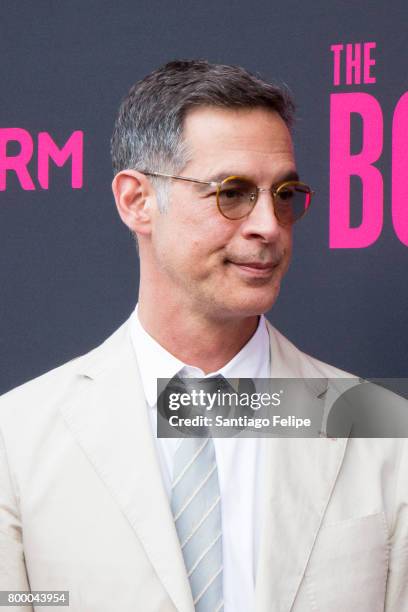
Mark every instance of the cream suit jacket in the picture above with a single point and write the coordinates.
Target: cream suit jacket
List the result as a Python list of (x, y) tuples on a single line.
[(83, 508)]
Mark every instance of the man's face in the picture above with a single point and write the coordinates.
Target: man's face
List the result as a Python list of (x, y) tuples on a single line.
[(217, 267)]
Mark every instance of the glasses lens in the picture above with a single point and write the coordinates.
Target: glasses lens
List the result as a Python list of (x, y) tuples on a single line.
[(291, 202), (236, 197)]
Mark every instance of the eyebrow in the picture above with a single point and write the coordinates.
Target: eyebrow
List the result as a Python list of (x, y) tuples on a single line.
[(291, 175)]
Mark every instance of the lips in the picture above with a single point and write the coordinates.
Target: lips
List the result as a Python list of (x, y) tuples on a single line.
[(255, 269), (255, 265)]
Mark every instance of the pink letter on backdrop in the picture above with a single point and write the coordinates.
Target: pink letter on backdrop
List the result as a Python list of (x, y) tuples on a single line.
[(368, 62), (400, 169), (343, 165), (17, 163), (337, 49), (48, 149), (353, 64)]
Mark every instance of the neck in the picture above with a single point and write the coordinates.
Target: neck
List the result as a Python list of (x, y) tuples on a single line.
[(194, 339)]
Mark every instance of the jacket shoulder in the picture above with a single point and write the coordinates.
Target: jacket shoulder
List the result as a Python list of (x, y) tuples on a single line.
[(295, 363)]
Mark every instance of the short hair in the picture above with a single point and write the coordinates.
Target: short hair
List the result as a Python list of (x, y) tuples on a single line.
[(148, 132)]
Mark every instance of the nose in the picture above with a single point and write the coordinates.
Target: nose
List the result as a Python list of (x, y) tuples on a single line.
[(262, 222)]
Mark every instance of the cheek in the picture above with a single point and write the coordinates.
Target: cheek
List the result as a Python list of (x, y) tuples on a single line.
[(191, 245), (181, 247), (286, 241)]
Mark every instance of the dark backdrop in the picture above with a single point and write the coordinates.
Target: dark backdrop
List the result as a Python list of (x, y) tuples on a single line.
[(68, 268)]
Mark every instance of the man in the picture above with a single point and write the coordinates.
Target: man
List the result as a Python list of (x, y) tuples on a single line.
[(90, 502)]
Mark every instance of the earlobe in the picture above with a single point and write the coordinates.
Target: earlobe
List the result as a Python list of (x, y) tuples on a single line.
[(133, 196)]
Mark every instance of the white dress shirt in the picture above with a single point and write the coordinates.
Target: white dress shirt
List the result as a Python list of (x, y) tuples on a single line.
[(239, 461)]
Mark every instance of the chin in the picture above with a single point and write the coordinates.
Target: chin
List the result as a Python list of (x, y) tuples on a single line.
[(251, 305)]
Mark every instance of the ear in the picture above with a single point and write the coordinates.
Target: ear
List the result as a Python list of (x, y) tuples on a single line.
[(135, 200)]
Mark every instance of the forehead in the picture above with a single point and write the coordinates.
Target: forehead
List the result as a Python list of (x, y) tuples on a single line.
[(250, 139)]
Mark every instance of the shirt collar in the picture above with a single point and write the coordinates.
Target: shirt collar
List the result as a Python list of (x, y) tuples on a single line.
[(154, 361)]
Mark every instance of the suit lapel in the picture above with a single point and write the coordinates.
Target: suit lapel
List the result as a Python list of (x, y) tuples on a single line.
[(109, 419), (301, 474)]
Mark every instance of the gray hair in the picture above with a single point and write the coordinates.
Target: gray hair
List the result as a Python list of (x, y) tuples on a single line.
[(148, 132)]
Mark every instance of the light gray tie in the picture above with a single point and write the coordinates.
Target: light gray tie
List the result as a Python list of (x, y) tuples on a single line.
[(196, 506)]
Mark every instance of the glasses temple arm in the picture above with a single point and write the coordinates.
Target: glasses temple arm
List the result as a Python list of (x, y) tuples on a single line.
[(181, 178)]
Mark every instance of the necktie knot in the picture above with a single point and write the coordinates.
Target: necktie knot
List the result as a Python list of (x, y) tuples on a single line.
[(197, 401)]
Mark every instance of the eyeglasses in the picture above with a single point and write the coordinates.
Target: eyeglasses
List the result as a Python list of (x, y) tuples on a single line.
[(236, 197)]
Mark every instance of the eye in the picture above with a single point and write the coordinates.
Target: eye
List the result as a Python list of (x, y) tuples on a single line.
[(286, 194), (232, 193)]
